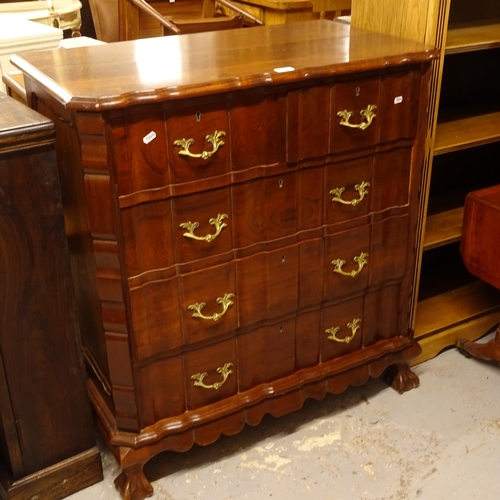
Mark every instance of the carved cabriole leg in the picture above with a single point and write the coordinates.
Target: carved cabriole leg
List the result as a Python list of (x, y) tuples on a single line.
[(401, 378), (488, 352), (132, 483)]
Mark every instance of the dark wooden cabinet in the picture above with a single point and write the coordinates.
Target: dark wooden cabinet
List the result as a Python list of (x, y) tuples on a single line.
[(244, 216), (47, 444)]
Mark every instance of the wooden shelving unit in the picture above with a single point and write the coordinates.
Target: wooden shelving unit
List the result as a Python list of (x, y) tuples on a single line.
[(464, 154), (464, 132), (443, 228), (467, 133), (472, 36)]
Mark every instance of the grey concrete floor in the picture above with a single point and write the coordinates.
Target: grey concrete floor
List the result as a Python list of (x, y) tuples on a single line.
[(440, 441)]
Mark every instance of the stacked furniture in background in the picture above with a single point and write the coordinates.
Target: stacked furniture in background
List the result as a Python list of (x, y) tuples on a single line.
[(62, 14)]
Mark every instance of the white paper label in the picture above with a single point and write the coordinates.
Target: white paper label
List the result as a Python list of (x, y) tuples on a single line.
[(398, 99), (150, 137), (284, 69)]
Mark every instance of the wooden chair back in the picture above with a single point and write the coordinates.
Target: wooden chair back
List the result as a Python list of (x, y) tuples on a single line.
[(106, 19), (331, 8), (206, 24), (141, 19)]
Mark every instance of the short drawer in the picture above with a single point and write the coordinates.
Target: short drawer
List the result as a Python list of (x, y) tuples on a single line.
[(154, 147), (371, 111), (354, 114), (351, 115)]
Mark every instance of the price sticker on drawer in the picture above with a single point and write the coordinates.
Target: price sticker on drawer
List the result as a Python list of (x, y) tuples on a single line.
[(149, 137), (284, 69), (398, 99)]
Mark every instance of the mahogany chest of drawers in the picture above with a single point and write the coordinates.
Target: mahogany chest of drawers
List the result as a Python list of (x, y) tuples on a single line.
[(243, 213)]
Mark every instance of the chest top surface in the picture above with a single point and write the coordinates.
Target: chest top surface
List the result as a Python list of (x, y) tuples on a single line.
[(150, 70)]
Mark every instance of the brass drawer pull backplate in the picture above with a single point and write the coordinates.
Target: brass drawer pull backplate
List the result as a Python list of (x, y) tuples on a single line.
[(214, 139), (362, 190), (225, 302), (192, 226), (225, 371), (353, 326), (368, 114), (361, 260)]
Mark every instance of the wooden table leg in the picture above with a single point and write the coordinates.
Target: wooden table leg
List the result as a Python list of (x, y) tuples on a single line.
[(490, 351)]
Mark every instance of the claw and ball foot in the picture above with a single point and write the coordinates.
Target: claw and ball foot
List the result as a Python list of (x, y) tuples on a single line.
[(401, 378), (132, 484)]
